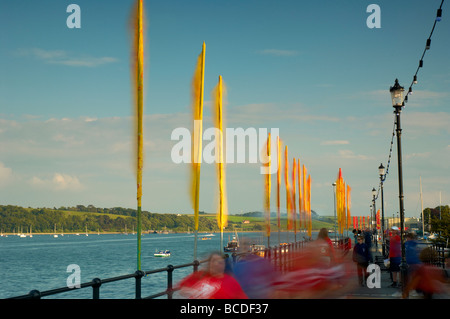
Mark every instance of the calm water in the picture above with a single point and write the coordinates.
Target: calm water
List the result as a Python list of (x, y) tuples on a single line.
[(41, 262)]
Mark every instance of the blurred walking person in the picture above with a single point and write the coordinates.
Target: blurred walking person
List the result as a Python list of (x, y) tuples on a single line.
[(395, 256), (211, 283)]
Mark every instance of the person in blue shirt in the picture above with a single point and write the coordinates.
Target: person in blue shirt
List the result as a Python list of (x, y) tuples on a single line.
[(368, 240), (412, 254), (361, 256)]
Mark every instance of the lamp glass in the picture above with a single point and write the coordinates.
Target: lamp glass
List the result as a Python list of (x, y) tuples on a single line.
[(381, 170), (397, 94)]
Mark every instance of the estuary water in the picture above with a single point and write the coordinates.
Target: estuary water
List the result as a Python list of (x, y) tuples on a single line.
[(40, 262)]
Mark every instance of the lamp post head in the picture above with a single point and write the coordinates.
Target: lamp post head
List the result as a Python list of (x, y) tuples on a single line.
[(381, 170), (397, 94), (374, 192)]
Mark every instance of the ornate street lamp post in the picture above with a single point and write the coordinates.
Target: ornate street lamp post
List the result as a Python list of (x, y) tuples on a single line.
[(397, 103), (335, 220), (381, 170), (373, 217)]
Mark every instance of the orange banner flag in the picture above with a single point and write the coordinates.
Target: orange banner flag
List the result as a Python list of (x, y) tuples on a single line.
[(378, 220), (288, 189)]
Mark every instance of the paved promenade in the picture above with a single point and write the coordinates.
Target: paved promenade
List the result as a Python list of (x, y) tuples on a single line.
[(386, 292)]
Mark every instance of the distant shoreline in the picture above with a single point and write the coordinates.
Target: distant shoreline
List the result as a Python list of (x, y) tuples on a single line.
[(148, 232)]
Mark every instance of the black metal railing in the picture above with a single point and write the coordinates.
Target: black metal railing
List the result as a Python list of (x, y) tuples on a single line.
[(281, 257), (439, 249), (96, 283)]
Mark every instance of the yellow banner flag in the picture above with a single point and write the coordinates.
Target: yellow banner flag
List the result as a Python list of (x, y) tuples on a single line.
[(197, 110), (218, 97)]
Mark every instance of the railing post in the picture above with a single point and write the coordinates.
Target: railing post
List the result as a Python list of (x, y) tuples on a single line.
[(97, 282), (35, 294), (196, 263), (139, 275), (169, 281), (275, 258)]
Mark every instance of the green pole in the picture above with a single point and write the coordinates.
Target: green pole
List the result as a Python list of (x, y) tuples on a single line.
[(139, 238)]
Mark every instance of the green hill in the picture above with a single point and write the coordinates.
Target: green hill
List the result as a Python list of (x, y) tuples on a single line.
[(15, 219)]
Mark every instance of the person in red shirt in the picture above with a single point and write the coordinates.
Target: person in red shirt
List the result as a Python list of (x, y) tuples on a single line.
[(211, 283), (395, 255), (329, 251)]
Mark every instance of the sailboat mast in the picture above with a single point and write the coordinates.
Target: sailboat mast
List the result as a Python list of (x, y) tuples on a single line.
[(421, 203)]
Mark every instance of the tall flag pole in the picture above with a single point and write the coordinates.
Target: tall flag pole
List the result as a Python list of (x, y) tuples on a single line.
[(218, 95), (278, 186), (267, 188), (138, 88), (197, 109)]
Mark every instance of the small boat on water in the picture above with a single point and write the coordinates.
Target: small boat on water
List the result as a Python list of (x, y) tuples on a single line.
[(162, 253), (233, 244), (432, 236), (206, 238)]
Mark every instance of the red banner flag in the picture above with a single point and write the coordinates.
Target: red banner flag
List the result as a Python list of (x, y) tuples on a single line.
[(378, 220)]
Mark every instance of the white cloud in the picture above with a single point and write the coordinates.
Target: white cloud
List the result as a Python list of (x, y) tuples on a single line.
[(87, 61), (348, 154), (337, 142), (257, 113), (417, 155), (426, 122), (57, 182), (65, 58)]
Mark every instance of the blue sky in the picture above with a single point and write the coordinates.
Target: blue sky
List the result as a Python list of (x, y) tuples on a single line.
[(312, 69)]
